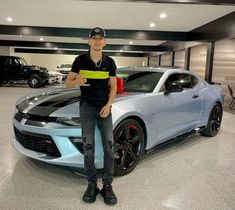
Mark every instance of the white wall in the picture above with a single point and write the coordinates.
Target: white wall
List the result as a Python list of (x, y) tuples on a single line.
[(51, 61), (224, 66), (166, 59), (130, 61), (4, 50), (198, 60), (153, 60), (179, 58)]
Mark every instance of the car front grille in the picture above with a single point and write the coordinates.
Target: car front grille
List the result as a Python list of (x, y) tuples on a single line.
[(20, 115), (37, 142)]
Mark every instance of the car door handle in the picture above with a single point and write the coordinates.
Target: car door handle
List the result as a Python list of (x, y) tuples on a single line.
[(195, 96)]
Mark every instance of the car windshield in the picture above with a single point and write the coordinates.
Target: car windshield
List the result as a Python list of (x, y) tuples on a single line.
[(65, 65), (136, 81), (23, 61)]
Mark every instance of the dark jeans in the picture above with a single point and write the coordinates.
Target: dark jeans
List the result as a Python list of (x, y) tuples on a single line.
[(89, 115)]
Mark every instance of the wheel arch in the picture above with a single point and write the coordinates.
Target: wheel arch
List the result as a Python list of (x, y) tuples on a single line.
[(142, 123), (212, 130), (216, 102), (220, 103)]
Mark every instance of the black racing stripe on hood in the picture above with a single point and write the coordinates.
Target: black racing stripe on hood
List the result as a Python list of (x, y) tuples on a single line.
[(42, 111), (26, 103), (52, 105), (61, 100)]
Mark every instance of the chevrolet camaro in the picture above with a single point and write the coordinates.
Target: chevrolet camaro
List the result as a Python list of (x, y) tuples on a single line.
[(153, 106)]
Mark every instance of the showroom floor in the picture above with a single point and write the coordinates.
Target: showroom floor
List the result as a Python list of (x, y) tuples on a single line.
[(197, 173)]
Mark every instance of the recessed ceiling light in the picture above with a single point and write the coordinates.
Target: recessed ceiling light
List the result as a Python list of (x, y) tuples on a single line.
[(130, 42), (21, 36), (163, 15), (55, 48), (9, 19), (41, 39), (121, 50), (152, 25)]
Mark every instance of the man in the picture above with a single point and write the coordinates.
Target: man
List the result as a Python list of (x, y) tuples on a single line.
[(95, 73)]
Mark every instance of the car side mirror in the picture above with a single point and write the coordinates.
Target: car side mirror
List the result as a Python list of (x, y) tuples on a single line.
[(172, 88)]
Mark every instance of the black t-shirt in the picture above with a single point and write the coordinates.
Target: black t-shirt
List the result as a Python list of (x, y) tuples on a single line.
[(97, 76)]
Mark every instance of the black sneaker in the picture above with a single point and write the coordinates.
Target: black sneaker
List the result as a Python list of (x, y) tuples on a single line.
[(108, 194), (91, 192)]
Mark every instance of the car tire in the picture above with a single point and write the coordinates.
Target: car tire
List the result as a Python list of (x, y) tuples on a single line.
[(129, 146), (214, 121), (34, 81)]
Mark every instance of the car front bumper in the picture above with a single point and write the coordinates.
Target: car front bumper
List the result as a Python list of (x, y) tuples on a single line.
[(29, 141)]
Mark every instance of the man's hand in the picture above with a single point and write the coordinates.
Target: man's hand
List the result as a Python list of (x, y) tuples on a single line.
[(74, 79), (81, 81), (105, 111)]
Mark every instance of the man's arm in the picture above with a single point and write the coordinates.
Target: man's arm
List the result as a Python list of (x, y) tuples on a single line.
[(113, 90), (112, 94)]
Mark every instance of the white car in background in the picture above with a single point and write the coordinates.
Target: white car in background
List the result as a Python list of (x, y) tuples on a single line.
[(55, 77), (64, 69)]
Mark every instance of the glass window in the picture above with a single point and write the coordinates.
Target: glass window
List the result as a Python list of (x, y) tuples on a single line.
[(139, 81), (23, 61), (65, 66), (185, 80)]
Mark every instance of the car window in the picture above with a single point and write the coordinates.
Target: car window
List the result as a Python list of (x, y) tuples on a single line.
[(65, 66), (185, 80), (22, 61), (194, 80), (16, 61), (140, 81)]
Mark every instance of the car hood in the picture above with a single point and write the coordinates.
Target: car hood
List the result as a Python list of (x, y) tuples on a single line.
[(58, 102)]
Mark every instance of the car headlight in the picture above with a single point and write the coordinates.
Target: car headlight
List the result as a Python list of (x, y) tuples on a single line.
[(70, 121)]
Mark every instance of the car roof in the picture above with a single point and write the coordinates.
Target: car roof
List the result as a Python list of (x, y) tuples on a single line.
[(153, 69)]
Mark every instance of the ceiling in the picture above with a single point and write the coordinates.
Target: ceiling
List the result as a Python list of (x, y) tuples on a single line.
[(64, 24)]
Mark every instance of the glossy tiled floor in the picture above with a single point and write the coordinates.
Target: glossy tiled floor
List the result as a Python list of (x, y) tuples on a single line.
[(197, 173)]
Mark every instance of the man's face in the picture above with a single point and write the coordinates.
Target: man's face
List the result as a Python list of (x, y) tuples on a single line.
[(97, 42)]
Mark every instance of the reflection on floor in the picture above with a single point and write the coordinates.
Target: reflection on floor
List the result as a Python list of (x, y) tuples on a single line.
[(196, 173)]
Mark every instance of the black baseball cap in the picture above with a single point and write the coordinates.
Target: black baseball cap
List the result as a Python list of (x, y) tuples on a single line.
[(97, 31)]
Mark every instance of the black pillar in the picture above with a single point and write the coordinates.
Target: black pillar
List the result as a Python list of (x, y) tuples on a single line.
[(209, 61), (173, 58), (159, 60), (148, 61), (187, 58)]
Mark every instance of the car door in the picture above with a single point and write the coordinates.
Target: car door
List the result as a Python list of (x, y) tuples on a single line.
[(177, 112), (15, 71)]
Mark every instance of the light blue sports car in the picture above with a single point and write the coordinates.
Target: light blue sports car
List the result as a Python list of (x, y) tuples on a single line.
[(155, 105)]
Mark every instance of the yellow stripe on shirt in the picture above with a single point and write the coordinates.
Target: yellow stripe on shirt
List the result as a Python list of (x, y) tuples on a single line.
[(89, 74)]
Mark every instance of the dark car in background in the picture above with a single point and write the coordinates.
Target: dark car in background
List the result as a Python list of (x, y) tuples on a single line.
[(13, 68)]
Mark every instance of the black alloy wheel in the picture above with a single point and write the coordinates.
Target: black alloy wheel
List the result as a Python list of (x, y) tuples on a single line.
[(34, 81), (129, 144), (214, 121)]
